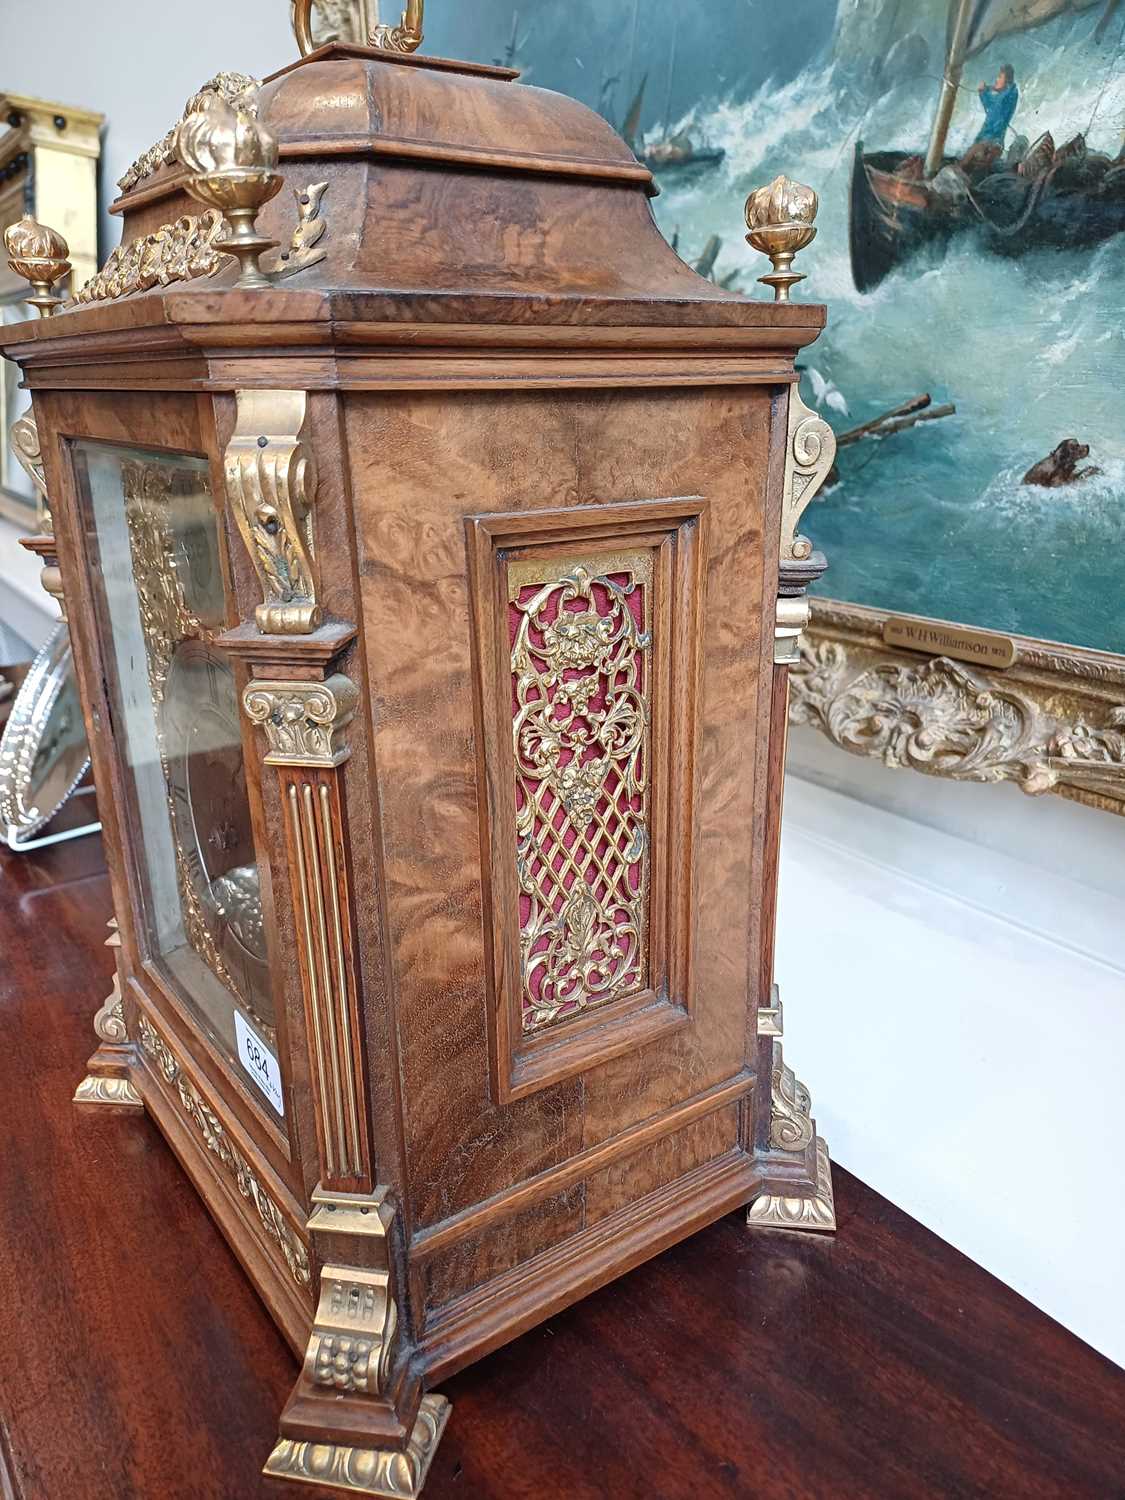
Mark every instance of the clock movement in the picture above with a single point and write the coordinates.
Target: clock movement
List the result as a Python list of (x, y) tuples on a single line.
[(429, 532)]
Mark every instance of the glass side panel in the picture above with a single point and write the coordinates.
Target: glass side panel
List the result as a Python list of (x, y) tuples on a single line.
[(155, 545)]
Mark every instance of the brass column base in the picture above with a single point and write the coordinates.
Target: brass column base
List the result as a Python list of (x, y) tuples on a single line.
[(367, 1471), (96, 1088), (819, 1213)]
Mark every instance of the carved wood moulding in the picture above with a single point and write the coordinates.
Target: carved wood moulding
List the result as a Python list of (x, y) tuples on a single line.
[(1052, 722)]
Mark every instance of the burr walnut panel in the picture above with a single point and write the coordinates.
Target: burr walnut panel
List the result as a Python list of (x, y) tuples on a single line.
[(428, 466)]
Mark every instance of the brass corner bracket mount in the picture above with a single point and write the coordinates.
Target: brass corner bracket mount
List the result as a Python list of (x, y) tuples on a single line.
[(271, 483)]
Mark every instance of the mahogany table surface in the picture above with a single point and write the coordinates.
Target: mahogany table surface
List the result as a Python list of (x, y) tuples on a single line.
[(136, 1361)]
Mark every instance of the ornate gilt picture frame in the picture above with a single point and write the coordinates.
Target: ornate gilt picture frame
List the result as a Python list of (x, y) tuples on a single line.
[(1053, 720)]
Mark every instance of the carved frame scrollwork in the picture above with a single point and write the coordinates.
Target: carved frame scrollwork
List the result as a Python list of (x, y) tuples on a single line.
[(1054, 721)]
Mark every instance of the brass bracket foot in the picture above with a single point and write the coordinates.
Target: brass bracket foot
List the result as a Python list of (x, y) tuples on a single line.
[(108, 1080), (396, 1474), (775, 1212), (95, 1088)]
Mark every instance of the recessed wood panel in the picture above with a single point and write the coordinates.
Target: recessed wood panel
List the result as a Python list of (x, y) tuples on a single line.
[(586, 661)]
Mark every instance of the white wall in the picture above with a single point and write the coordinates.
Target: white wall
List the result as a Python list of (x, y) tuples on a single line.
[(952, 962)]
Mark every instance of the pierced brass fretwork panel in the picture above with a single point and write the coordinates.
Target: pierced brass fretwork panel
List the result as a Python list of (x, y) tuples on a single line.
[(581, 633)]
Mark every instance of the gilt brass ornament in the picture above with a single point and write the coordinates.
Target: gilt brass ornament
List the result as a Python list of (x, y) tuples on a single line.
[(809, 457), (319, 23), (581, 669), (217, 1140), (182, 251), (304, 248), (316, 23), (38, 254), (28, 450), (406, 36), (790, 1107), (776, 1211), (367, 1471), (303, 719), (780, 219), (271, 482), (231, 160), (353, 1334)]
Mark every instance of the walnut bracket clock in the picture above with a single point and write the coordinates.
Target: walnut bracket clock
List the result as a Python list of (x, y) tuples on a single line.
[(429, 532)]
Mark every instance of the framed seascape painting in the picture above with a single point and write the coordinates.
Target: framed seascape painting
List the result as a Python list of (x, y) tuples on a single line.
[(969, 157)]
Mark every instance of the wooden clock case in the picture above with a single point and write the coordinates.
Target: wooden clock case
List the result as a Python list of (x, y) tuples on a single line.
[(489, 374)]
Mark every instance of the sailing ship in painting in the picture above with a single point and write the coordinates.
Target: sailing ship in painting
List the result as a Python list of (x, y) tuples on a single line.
[(1017, 197), (676, 151)]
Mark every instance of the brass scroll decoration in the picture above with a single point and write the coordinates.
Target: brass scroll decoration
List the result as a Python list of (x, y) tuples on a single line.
[(810, 454), (581, 675), (24, 437), (29, 452), (303, 719), (354, 21), (353, 1335), (304, 248), (219, 1143), (791, 1127), (271, 483), (189, 249), (174, 252), (406, 36)]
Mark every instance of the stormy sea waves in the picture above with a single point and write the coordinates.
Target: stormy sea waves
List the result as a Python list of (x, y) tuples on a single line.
[(935, 520)]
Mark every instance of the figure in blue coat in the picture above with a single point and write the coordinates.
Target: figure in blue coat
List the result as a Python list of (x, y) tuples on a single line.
[(999, 102)]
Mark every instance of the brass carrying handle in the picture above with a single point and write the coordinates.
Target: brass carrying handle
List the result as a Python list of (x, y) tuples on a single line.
[(405, 37), (302, 26)]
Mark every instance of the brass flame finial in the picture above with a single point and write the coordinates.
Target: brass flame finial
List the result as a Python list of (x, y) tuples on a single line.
[(39, 255), (780, 218), (231, 160)]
